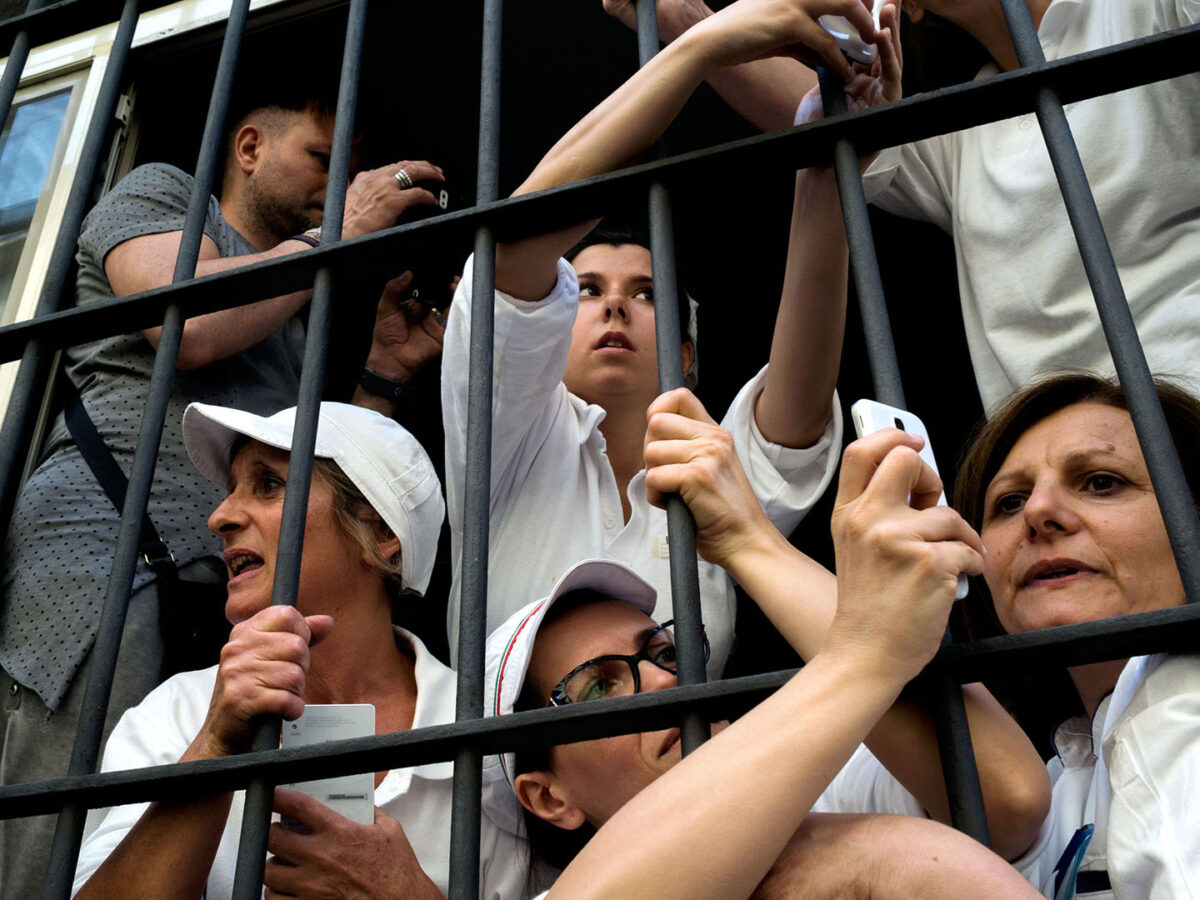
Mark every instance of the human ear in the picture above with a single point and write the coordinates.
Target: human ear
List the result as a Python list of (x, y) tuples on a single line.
[(386, 543), (542, 795), (248, 146), (915, 12), (689, 353)]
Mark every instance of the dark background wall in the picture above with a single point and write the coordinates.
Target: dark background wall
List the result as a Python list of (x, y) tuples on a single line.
[(419, 99)]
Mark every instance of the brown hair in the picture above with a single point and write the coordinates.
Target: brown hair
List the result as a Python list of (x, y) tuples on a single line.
[(358, 520), (1040, 701)]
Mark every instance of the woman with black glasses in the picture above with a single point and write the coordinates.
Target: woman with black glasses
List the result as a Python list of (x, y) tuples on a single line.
[(625, 812)]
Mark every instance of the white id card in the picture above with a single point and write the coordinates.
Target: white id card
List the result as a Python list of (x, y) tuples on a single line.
[(351, 795)]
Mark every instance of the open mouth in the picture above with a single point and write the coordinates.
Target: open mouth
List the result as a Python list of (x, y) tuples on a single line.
[(240, 562), (1052, 570), (614, 340)]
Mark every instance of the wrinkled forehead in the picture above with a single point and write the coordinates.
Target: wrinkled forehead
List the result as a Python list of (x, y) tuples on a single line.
[(247, 452), (1078, 431)]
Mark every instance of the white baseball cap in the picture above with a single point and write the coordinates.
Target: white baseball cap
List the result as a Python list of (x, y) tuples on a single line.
[(384, 461), (510, 649)]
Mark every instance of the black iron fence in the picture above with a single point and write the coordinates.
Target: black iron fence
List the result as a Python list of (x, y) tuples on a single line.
[(1039, 86)]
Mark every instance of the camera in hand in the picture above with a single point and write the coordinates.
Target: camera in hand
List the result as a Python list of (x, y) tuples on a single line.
[(435, 269)]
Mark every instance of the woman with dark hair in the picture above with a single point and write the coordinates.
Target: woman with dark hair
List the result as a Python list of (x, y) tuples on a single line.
[(610, 811), (374, 515), (1057, 487), (576, 354)]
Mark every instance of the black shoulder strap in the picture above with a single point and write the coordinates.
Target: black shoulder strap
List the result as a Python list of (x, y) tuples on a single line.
[(100, 460)]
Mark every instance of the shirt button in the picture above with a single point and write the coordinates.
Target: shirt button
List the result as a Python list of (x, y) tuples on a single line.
[(609, 521)]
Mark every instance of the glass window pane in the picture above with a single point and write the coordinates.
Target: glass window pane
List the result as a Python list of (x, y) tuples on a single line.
[(26, 150)]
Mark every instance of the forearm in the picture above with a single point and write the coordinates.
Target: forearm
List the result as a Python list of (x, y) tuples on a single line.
[(168, 851), (222, 334), (799, 596), (765, 92), (1013, 779), (796, 401), (736, 801), (885, 857)]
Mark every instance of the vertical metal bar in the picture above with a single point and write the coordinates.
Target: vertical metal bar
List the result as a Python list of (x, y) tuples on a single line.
[(33, 373), (260, 793), (949, 713), (69, 830), (681, 526), (15, 66), (472, 631), (864, 265), (1129, 359)]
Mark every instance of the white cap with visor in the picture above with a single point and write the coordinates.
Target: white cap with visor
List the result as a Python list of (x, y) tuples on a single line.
[(381, 457)]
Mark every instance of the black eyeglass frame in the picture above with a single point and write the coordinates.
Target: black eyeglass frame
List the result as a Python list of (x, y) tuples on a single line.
[(558, 695)]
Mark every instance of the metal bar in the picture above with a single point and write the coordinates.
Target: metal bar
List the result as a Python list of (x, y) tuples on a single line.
[(260, 793), (949, 713), (472, 628), (914, 118), (45, 23), (864, 265), (1166, 472), (681, 526), (36, 356), (1118, 638), (14, 66), (69, 831)]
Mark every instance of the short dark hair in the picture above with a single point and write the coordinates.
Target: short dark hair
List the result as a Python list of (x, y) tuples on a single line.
[(263, 88), (620, 234)]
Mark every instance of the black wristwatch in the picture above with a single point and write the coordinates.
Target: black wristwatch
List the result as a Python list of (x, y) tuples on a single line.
[(381, 385)]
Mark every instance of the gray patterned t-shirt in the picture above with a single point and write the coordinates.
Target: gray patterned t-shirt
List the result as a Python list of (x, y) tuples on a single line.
[(58, 552)]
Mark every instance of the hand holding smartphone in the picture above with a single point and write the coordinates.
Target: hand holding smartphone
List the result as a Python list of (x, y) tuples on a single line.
[(871, 416), (847, 36)]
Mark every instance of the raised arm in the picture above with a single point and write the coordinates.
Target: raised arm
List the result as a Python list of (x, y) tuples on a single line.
[(765, 92), (374, 200), (796, 402), (725, 813), (632, 118), (686, 452)]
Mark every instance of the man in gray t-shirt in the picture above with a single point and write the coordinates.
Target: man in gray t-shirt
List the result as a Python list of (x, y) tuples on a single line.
[(58, 551)]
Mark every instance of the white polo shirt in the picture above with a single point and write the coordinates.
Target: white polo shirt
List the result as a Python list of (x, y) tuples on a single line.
[(1027, 306), (554, 497), (159, 729)]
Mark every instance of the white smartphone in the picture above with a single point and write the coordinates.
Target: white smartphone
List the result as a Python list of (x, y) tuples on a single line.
[(870, 416), (848, 39), (351, 795)]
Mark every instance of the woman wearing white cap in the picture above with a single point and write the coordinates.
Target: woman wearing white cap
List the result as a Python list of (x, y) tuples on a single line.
[(374, 512), (737, 811)]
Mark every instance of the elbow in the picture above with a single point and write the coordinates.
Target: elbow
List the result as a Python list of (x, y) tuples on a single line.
[(193, 357), (194, 351), (1016, 814)]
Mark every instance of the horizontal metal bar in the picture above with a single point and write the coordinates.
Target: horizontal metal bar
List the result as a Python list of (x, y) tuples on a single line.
[(1162, 630), (1169, 629), (938, 112), (54, 21)]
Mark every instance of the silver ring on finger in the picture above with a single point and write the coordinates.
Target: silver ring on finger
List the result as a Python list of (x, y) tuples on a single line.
[(404, 179)]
